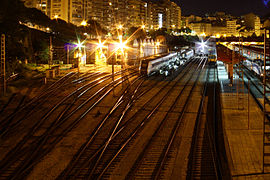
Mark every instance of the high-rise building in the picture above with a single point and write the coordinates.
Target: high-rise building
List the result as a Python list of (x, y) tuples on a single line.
[(201, 28), (231, 28), (73, 11), (111, 13), (257, 26), (254, 22), (164, 14), (175, 16), (100, 11), (136, 13), (218, 30)]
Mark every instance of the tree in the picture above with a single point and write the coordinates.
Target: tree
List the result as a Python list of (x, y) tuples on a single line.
[(136, 33)]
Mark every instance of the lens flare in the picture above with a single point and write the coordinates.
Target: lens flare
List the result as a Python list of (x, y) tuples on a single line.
[(266, 2)]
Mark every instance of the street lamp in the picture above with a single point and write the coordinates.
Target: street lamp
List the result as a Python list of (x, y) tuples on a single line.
[(100, 56), (79, 46), (83, 23), (157, 47), (143, 26), (120, 26)]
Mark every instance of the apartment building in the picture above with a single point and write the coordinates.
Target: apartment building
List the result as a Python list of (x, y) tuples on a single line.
[(201, 28), (253, 22), (111, 13), (231, 28)]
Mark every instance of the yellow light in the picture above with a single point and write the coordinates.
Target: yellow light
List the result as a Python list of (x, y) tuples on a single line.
[(79, 45), (100, 44), (120, 26), (203, 34), (158, 43), (173, 26), (110, 3), (121, 45), (47, 29), (224, 35), (217, 35), (101, 58), (83, 23), (143, 26), (56, 16)]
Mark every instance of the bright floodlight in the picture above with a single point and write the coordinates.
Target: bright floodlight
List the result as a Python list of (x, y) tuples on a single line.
[(143, 26), (79, 45), (83, 23), (120, 26), (100, 44), (202, 44)]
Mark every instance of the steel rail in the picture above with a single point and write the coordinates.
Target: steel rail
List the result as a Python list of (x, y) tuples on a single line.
[(17, 150), (132, 135), (92, 84), (155, 172), (36, 155), (66, 172)]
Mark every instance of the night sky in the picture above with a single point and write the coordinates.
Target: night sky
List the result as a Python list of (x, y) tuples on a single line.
[(234, 7)]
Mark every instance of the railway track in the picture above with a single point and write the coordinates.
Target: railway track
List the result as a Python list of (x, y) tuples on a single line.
[(154, 161), (50, 95), (28, 107), (138, 102), (203, 163), (33, 147), (89, 163)]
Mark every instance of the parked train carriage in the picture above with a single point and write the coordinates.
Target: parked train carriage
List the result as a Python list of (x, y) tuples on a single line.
[(144, 62), (153, 64), (212, 59), (187, 54)]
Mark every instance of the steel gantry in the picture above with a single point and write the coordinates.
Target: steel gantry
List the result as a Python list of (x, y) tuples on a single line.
[(241, 83), (266, 106)]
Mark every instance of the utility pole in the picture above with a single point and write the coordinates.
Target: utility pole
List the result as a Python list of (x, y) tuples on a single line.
[(51, 53), (3, 62), (67, 54)]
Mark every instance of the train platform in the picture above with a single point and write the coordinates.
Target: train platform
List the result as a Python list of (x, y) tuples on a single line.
[(242, 128)]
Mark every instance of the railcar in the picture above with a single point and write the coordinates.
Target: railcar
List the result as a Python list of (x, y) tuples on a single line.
[(153, 64), (187, 54), (212, 59)]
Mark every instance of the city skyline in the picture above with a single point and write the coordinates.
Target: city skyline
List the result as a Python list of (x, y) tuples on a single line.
[(234, 7)]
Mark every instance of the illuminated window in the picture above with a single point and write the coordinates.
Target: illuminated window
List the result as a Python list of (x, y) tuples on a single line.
[(160, 20)]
